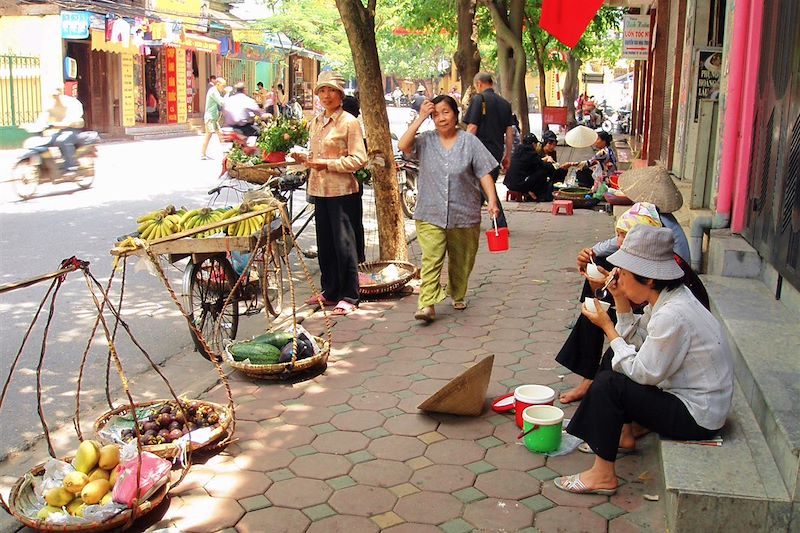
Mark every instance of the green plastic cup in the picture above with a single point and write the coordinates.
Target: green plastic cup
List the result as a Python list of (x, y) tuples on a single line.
[(541, 425)]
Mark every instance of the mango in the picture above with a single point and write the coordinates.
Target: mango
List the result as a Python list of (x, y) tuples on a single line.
[(47, 510), (58, 497), (75, 481), (94, 491), (109, 457), (76, 507), (112, 477), (108, 498), (98, 473), (87, 456)]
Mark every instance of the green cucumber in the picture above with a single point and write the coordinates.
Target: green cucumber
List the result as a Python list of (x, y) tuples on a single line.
[(278, 339), (258, 353)]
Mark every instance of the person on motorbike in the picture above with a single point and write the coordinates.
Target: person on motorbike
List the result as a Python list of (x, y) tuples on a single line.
[(418, 99), (240, 111), (65, 113)]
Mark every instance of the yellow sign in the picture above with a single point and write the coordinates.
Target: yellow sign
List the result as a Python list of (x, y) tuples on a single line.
[(128, 91), (201, 43), (180, 78), (191, 12), (248, 36), (99, 43)]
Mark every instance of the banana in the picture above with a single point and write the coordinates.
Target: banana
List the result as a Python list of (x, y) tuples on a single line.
[(143, 226), (191, 222), (148, 231), (189, 214), (149, 216), (230, 213)]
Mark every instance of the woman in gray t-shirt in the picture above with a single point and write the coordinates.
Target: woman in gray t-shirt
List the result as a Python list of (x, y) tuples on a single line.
[(453, 166)]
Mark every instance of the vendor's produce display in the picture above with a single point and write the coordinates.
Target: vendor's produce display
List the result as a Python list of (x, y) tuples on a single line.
[(164, 426), (383, 277), (275, 353), (168, 221), (245, 227)]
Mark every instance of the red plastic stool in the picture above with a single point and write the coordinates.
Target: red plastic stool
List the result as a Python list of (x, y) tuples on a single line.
[(516, 196), (558, 204)]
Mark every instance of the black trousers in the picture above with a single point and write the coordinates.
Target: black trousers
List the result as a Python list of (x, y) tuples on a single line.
[(336, 244), (582, 352), (614, 399)]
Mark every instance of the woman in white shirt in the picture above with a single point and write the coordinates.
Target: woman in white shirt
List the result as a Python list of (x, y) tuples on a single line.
[(672, 368)]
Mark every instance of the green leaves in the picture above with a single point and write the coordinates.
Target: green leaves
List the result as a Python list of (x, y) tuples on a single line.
[(283, 134)]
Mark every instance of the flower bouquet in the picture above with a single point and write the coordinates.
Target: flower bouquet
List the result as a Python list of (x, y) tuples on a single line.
[(280, 137)]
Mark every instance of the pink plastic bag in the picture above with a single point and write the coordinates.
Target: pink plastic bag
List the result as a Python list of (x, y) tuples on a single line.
[(154, 473)]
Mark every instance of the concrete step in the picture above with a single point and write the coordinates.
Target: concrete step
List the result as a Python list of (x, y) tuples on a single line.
[(159, 131), (164, 135), (731, 256), (764, 338), (733, 487)]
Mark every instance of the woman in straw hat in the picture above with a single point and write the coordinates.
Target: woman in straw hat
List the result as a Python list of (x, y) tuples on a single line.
[(336, 151), (672, 368), (453, 168)]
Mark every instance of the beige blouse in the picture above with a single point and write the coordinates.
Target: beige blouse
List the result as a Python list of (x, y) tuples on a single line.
[(336, 140)]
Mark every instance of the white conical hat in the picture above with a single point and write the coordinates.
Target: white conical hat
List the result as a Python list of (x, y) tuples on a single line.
[(580, 137)]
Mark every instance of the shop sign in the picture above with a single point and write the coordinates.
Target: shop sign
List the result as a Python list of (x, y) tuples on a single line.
[(128, 91), (193, 13), (635, 37), (75, 24), (172, 85), (252, 52), (709, 64), (248, 36), (180, 79), (200, 43)]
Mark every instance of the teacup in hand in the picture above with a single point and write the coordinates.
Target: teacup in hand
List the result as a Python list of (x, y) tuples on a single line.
[(593, 272)]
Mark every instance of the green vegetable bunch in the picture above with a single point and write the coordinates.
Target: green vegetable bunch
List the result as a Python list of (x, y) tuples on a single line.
[(283, 134), (237, 156)]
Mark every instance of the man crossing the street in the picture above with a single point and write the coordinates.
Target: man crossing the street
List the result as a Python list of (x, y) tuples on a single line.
[(489, 118)]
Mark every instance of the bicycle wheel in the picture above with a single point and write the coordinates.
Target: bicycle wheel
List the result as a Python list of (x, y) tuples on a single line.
[(207, 285), (272, 284)]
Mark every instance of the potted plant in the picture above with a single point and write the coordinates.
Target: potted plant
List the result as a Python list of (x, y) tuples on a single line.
[(280, 137)]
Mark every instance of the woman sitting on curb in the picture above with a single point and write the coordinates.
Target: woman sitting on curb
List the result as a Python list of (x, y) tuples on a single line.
[(672, 368)]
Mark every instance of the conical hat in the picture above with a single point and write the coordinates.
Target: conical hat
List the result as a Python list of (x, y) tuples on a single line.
[(654, 185), (465, 394), (580, 137)]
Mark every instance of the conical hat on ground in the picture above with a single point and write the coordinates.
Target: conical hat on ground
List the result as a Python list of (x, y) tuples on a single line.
[(654, 185), (465, 394)]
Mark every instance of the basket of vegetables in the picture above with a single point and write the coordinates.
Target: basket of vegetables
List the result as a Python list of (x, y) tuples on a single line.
[(164, 425), (277, 354)]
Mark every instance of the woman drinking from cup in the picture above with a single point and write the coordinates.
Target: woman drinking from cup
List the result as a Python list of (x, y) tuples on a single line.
[(453, 167), (672, 369)]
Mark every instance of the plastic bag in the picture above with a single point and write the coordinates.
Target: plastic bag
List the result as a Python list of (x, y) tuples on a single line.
[(572, 177), (154, 473)]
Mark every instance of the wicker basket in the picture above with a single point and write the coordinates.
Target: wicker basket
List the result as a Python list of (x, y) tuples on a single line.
[(169, 450), (280, 370), (385, 288), (258, 174), (120, 521), (577, 195)]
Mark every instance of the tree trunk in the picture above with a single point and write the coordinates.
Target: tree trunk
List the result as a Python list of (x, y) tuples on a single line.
[(467, 57), (359, 24), (571, 88)]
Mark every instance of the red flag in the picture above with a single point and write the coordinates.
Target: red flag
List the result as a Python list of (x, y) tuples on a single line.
[(566, 20)]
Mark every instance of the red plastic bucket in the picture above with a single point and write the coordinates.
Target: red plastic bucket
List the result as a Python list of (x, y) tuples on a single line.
[(497, 239)]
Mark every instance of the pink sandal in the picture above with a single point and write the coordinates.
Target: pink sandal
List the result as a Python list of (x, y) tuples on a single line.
[(316, 298), (344, 308)]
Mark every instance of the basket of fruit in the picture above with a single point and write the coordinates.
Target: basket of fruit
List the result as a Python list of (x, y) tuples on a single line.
[(85, 493), (384, 277), (164, 426), (272, 355)]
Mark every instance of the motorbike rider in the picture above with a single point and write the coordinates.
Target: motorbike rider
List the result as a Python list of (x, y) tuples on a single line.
[(418, 99), (65, 113), (240, 111)]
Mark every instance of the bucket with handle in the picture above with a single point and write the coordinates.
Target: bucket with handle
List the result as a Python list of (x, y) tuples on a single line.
[(527, 395), (542, 428), (497, 238)]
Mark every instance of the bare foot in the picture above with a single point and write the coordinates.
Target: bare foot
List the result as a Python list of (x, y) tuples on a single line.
[(577, 393)]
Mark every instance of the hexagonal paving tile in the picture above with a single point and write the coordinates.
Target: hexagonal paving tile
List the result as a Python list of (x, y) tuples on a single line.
[(208, 514), (376, 401), (571, 463), (340, 442), (381, 473), (362, 500), (454, 356), (357, 420), (298, 493), (238, 484), (287, 436), (324, 397), (560, 497), (320, 466), (455, 452), (413, 527), (514, 457), (278, 519), (306, 415), (263, 460), (396, 447), (465, 428), (387, 383), (428, 507), (410, 425), (443, 478), (257, 411), (443, 371), (508, 484), (493, 514), (400, 368), (343, 524), (565, 518)]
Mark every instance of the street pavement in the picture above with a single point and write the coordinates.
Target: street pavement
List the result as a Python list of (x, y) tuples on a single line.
[(348, 450)]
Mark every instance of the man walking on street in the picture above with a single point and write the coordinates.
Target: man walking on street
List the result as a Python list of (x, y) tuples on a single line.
[(489, 118), (211, 116)]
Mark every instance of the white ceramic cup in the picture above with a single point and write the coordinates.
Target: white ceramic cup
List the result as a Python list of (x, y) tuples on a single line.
[(594, 273), (589, 304)]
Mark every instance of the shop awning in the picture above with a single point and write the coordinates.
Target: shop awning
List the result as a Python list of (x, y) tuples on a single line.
[(200, 43), (100, 44)]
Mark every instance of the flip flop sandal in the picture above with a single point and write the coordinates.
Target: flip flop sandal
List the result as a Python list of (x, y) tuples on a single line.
[(315, 300), (459, 305), (585, 448), (343, 308), (574, 485)]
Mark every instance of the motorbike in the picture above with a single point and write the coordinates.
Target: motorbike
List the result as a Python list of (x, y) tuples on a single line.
[(407, 172), (42, 162)]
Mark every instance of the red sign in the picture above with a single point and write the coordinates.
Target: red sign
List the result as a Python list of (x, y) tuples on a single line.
[(172, 86), (554, 115)]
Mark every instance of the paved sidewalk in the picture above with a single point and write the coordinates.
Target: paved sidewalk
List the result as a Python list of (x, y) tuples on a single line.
[(349, 451)]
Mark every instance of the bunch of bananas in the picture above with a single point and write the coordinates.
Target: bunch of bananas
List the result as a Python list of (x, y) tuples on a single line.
[(201, 217), (248, 226), (160, 223)]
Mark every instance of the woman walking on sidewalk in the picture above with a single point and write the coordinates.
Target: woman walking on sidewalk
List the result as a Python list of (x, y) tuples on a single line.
[(453, 167)]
